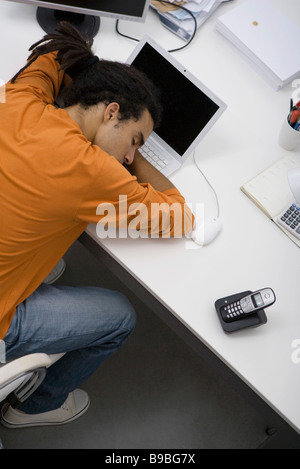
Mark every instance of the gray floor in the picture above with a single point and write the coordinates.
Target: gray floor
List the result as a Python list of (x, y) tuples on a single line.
[(154, 393)]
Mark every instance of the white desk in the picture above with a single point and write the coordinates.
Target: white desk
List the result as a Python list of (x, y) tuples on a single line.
[(251, 252)]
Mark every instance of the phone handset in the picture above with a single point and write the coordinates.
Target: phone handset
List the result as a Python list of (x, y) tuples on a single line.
[(248, 305)]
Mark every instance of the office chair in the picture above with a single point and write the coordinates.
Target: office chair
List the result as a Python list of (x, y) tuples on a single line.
[(19, 378)]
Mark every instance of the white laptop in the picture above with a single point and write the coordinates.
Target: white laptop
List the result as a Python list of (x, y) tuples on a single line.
[(190, 109)]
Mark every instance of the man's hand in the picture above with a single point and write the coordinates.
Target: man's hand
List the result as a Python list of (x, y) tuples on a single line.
[(145, 172)]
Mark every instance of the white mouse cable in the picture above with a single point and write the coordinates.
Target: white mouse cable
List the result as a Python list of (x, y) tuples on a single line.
[(215, 194)]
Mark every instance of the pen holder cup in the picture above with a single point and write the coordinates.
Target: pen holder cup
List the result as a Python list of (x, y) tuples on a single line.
[(289, 138)]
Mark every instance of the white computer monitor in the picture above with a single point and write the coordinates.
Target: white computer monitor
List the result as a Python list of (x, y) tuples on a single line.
[(85, 14)]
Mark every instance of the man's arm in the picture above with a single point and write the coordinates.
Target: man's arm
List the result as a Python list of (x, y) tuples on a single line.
[(146, 173), (43, 77), (149, 198)]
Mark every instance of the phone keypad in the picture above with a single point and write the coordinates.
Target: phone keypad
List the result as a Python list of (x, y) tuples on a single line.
[(232, 311)]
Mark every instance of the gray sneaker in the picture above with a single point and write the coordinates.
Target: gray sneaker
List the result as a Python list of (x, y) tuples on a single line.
[(56, 272), (76, 405)]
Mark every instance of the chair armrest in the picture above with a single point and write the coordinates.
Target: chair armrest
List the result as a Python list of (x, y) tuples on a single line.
[(19, 366)]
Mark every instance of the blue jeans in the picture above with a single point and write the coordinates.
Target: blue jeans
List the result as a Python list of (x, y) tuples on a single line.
[(88, 323)]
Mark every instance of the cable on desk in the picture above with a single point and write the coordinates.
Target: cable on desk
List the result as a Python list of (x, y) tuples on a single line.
[(172, 50), (215, 194)]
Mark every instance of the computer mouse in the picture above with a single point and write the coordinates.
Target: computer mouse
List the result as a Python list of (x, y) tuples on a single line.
[(207, 231)]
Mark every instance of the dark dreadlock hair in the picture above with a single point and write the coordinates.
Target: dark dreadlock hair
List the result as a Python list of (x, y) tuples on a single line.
[(94, 80)]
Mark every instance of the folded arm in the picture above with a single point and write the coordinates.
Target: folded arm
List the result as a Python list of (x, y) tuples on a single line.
[(146, 173)]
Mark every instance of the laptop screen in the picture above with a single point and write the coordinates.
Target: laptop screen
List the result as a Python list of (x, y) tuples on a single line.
[(186, 109)]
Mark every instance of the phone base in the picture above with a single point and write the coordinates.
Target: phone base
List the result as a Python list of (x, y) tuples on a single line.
[(253, 320)]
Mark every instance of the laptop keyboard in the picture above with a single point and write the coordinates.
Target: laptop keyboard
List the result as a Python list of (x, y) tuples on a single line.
[(153, 156)]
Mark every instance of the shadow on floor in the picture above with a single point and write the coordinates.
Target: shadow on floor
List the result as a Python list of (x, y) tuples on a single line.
[(154, 393)]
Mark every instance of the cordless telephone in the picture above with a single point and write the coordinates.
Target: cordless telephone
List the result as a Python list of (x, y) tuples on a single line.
[(249, 304), (244, 310)]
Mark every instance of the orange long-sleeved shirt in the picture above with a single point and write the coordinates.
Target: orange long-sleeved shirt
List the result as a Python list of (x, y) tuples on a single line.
[(52, 180)]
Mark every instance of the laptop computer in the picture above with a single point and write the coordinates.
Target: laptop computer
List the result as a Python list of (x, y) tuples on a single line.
[(190, 109)]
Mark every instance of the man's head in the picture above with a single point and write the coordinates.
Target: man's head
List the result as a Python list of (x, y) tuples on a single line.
[(103, 126), (107, 82), (112, 100), (119, 105)]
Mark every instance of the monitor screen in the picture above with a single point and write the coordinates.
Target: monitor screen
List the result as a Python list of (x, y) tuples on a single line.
[(85, 14), (187, 109)]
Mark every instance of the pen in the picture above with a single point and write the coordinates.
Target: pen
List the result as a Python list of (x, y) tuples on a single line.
[(294, 117)]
